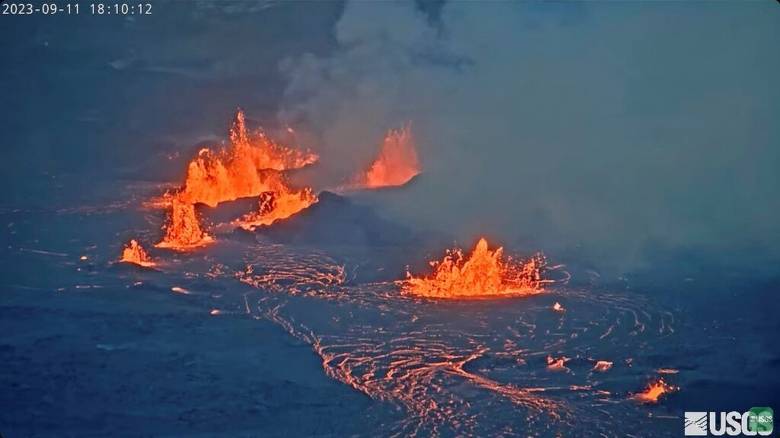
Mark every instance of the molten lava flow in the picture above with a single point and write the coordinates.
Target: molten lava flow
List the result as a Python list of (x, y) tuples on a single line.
[(274, 206), (396, 163), (654, 391), (134, 253), (182, 231), (241, 170), (602, 366), (484, 274)]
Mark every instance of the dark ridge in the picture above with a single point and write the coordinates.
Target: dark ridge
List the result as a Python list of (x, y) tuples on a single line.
[(414, 180), (337, 220)]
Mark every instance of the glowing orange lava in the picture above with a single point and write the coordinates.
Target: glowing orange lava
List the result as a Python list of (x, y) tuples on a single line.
[(396, 163), (134, 253), (654, 391), (558, 364), (182, 230), (602, 366), (249, 167), (485, 273), (277, 205)]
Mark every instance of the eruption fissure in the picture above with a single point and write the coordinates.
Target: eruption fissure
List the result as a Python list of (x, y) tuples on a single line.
[(252, 165), (249, 167)]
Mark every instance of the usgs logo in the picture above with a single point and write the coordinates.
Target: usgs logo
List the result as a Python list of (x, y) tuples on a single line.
[(756, 421)]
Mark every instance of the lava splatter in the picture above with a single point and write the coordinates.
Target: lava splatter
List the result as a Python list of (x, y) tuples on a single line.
[(654, 391), (134, 253)]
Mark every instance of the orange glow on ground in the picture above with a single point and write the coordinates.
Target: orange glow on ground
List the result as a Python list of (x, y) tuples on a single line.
[(134, 253), (484, 273), (602, 366), (396, 163), (182, 230), (654, 391)]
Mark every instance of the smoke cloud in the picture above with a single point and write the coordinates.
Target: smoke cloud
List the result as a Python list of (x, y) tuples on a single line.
[(600, 128)]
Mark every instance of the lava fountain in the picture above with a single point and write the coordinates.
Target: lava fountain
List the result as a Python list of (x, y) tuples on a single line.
[(242, 170), (251, 166), (483, 274), (134, 253), (182, 230), (396, 163)]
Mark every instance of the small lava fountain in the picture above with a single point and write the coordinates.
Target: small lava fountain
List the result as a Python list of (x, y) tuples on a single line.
[(134, 253), (396, 163), (182, 230), (654, 391), (484, 273)]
